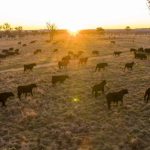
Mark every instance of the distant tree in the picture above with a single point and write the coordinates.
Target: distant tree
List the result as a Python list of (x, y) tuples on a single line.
[(7, 28), (127, 29), (1, 27), (52, 30), (100, 30), (19, 29)]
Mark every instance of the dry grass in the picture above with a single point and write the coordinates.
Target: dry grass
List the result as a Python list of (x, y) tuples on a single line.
[(54, 120)]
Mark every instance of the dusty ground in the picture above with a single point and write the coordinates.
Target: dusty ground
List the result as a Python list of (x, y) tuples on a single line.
[(67, 116)]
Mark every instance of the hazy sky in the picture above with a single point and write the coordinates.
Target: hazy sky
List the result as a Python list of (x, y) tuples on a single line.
[(76, 14)]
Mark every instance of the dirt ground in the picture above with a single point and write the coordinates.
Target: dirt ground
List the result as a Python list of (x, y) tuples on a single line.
[(67, 116)]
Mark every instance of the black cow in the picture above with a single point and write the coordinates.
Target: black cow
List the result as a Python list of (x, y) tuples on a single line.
[(147, 50), (19, 43), (147, 95), (141, 56), (100, 66), (83, 60), (55, 50), (29, 66), (2, 55), (11, 48), (95, 52), (32, 42), (141, 49), (37, 51), (129, 66), (25, 90), (24, 45), (133, 50), (115, 97), (63, 64), (117, 53), (4, 96), (98, 87), (113, 42), (59, 78)]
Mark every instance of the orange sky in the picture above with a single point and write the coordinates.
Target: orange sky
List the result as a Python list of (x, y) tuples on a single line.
[(76, 14)]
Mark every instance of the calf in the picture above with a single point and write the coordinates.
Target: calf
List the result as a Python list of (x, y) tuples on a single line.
[(100, 66), (29, 66), (115, 97), (83, 60), (25, 90), (117, 53), (59, 78), (147, 95), (98, 87), (4, 96), (129, 66)]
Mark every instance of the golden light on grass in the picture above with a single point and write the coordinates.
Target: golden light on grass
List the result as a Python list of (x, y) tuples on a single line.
[(73, 32), (76, 99)]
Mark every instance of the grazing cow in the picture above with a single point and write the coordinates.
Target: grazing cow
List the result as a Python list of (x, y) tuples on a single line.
[(98, 87), (83, 60), (66, 58), (11, 48), (2, 56), (70, 53), (117, 53), (100, 66), (147, 50), (17, 51), (32, 42), (5, 50), (95, 52), (37, 51), (59, 78), (140, 49), (129, 66), (115, 97), (25, 90), (141, 56), (113, 42), (63, 64), (55, 50), (4, 96), (133, 50), (147, 95), (48, 41), (24, 45), (29, 66)]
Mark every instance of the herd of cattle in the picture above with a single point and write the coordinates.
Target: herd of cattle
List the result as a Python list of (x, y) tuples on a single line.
[(112, 97)]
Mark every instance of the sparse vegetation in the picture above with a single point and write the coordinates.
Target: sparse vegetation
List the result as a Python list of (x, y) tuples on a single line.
[(66, 116), (51, 29)]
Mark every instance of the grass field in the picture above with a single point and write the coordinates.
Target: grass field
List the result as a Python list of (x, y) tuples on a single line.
[(67, 116)]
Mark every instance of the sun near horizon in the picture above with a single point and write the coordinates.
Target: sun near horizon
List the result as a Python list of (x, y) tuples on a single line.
[(75, 15)]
